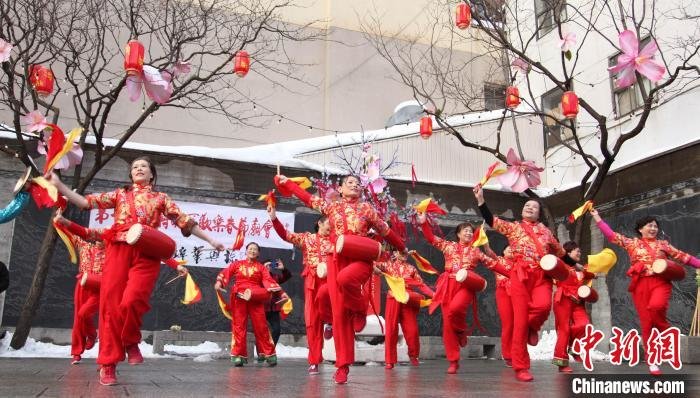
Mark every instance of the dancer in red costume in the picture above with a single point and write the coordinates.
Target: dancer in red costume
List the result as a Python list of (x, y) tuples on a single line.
[(454, 297), (504, 306), (86, 302), (650, 292), (397, 313), (348, 216), (129, 275), (570, 317), (315, 249), (531, 290), (251, 290)]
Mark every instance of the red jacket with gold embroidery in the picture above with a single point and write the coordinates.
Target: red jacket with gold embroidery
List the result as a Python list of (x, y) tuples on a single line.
[(457, 255), (569, 286), (314, 247), (246, 274), (643, 252), (149, 206), (90, 247), (347, 216), (522, 245)]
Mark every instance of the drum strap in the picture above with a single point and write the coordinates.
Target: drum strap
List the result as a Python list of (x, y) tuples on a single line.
[(531, 233), (653, 253)]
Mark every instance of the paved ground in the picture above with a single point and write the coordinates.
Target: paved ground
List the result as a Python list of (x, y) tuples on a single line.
[(162, 378)]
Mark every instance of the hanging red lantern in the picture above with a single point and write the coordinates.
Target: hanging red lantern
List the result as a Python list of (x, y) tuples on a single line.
[(426, 127), (569, 105), (512, 97), (241, 63), (133, 57), (41, 79), (463, 15)]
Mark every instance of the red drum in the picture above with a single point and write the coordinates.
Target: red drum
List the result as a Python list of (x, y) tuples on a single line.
[(587, 294), (471, 280), (500, 269), (668, 270), (554, 267), (358, 248), (150, 241), (321, 270)]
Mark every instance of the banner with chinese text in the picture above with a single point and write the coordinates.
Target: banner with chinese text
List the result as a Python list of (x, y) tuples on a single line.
[(221, 223)]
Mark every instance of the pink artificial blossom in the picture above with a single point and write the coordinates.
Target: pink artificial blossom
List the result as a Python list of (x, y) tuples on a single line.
[(632, 60), (521, 174), (567, 42), (181, 68), (72, 158), (521, 65), (34, 121), (158, 85), (372, 177), (5, 50)]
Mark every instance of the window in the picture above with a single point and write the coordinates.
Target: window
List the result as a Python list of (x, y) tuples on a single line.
[(548, 11), (627, 100), (494, 96), (551, 106)]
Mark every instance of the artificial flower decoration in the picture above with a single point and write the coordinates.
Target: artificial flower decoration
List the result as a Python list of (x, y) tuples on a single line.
[(521, 65), (566, 43), (34, 121), (371, 178), (632, 60), (521, 174), (180, 68), (158, 85), (5, 50)]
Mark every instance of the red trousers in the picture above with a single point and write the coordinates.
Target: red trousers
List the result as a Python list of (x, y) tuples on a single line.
[(316, 312), (345, 280), (454, 316), (255, 309), (505, 312), (651, 296), (86, 303), (532, 300), (128, 279), (570, 319), (407, 316)]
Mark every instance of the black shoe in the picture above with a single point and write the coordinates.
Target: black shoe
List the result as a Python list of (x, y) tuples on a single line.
[(2, 334)]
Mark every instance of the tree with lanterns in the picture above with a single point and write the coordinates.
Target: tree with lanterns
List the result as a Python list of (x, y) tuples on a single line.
[(655, 61), (75, 61)]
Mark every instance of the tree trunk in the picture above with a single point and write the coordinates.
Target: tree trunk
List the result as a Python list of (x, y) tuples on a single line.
[(24, 324)]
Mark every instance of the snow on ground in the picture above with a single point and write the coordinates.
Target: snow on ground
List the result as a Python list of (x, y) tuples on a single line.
[(545, 349), (208, 350), (203, 352)]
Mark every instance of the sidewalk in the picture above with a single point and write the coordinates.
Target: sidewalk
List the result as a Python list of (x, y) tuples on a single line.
[(183, 377)]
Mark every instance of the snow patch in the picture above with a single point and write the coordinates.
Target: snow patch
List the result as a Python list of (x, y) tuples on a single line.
[(544, 351)]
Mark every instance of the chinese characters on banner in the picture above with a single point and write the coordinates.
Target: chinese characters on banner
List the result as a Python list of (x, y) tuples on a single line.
[(662, 347), (221, 223)]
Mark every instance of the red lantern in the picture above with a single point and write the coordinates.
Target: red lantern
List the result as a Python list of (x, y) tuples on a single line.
[(41, 80), (426, 127), (512, 97), (569, 105), (463, 15), (133, 57), (241, 63)]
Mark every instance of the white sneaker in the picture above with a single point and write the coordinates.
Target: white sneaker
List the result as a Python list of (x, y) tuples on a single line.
[(654, 370)]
